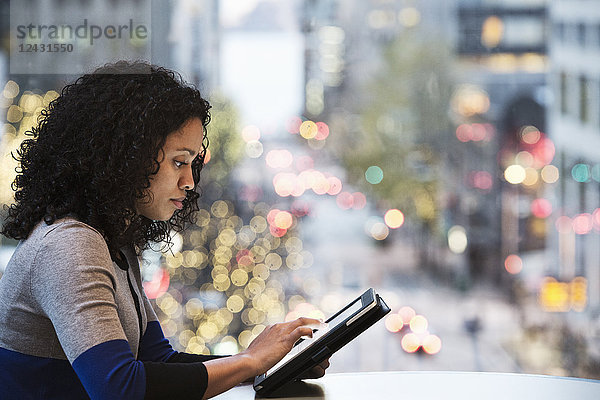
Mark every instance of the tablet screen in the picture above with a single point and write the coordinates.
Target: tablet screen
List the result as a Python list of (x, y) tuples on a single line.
[(331, 323)]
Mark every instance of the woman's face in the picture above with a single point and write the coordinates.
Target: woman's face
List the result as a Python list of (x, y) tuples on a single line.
[(168, 187)]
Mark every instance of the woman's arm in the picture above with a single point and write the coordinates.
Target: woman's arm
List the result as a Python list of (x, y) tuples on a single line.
[(265, 351)]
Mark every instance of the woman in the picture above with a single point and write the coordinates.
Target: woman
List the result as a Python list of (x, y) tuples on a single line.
[(113, 164)]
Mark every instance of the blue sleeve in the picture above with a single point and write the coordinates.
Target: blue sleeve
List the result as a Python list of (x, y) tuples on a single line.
[(108, 371)]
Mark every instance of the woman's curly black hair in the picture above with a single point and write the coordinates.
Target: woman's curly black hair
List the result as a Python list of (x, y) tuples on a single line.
[(95, 148)]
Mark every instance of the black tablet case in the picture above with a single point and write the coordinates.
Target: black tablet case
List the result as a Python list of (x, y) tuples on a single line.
[(330, 345)]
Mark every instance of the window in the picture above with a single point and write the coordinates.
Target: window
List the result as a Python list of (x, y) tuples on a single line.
[(564, 109), (583, 99)]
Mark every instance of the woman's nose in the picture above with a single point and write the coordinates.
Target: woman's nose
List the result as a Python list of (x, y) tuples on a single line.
[(186, 181)]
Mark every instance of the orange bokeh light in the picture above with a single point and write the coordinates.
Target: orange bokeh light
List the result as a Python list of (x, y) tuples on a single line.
[(410, 343), (432, 344), (394, 323), (283, 220)]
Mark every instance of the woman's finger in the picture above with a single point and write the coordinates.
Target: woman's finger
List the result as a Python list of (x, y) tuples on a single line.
[(301, 331)]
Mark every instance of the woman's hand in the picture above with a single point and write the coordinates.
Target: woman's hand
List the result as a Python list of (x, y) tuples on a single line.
[(277, 340), (318, 371)]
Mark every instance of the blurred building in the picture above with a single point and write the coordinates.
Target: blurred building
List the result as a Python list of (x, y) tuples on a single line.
[(502, 57), (191, 41), (499, 69), (573, 255)]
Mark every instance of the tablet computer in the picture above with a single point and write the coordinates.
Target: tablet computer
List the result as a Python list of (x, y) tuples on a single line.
[(337, 331)]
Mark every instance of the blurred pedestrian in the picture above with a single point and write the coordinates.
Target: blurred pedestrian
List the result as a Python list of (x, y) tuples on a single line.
[(113, 165)]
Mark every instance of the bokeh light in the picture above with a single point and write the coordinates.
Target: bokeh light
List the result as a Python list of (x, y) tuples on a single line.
[(394, 323), (530, 134), (531, 177), (293, 125), (418, 324), (379, 231), (581, 172), (322, 131), (308, 130), (345, 200), (582, 224), (524, 159), (279, 158), (407, 313), (550, 174), (513, 264), (432, 344), (394, 218), (254, 149), (541, 208), (564, 224), (374, 175), (359, 200), (250, 133), (457, 239), (410, 343), (515, 174)]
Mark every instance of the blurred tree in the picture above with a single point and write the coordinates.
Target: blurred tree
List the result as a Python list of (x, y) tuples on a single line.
[(225, 142), (403, 126)]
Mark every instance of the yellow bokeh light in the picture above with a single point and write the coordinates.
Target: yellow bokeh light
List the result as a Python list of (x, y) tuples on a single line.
[(515, 174), (294, 261), (308, 129), (524, 159), (194, 308), (208, 330), (492, 31), (409, 17), (261, 271), (14, 114), (550, 174), (11, 90), (273, 261), (293, 244), (185, 337), (245, 338), (258, 224), (394, 218), (220, 209), (227, 237), (531, 176), (554, 295), (221, 282), (239, 277)]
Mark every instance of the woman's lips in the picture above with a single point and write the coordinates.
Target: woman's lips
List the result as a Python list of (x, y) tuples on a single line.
[(178, 203)]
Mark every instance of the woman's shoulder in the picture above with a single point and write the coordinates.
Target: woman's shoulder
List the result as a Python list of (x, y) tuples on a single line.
[(68, 232)]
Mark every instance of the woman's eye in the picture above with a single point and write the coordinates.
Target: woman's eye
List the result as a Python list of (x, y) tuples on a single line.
[(179, 163)]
